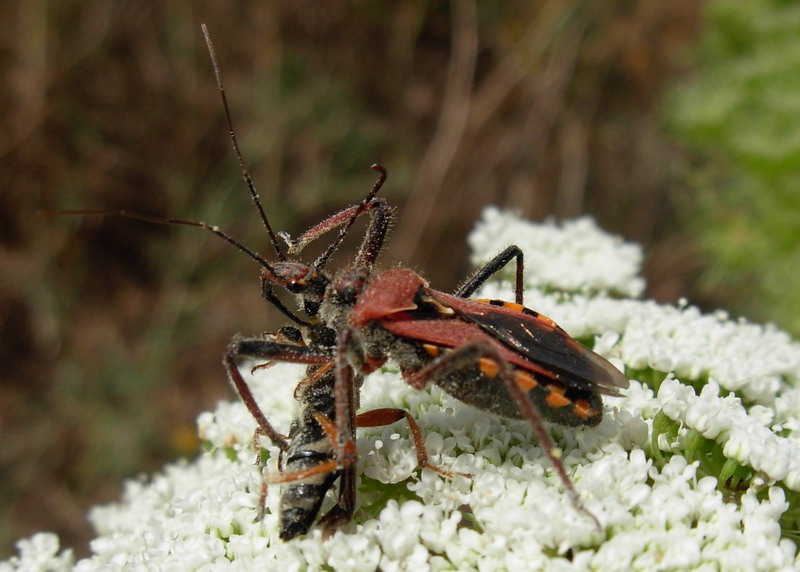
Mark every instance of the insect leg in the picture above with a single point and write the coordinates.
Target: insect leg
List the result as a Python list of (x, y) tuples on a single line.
[(482, 274), (269, 295), (268, 350), (531, 413), (381, 214), (257, 434), (346, 403), (342, 512), (377, 208), (469, 354), (387, 416), (380, 222)]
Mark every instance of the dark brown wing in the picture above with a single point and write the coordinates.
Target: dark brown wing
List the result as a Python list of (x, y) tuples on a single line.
[(541, 341)]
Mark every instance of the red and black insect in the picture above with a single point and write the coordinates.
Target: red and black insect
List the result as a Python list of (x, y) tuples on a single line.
[(309, 457), (497, 356), (494, 355)]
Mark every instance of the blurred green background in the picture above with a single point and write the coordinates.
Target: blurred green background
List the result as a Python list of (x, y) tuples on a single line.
[(674, 124)]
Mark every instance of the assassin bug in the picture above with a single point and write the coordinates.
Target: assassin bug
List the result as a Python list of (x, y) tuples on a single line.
[(309, 460), (497, 356)]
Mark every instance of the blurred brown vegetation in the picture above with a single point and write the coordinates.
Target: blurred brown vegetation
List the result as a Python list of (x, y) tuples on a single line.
[(111, 330)]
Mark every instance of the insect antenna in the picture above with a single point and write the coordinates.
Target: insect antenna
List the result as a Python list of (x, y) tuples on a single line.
[(245, 173), (320, 263), (167, 221)]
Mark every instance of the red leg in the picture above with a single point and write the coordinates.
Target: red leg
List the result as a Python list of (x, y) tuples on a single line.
[(467, 355), (382, 216), (273, 351), (387, 416)]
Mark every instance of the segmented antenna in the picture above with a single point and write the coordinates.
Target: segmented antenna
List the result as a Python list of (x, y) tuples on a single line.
[(320, 263), (245, 173), (158, 220)]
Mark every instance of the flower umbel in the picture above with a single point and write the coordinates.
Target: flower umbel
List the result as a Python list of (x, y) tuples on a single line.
[(697, 465)]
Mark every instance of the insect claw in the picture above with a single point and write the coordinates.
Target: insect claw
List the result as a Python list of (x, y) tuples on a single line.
[(265, 365), (594, 519), (288, 240)]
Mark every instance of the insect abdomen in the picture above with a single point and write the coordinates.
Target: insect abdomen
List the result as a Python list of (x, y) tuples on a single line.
[(476, 381), (309, 446)]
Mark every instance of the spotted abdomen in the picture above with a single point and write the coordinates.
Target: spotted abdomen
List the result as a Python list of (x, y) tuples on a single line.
[(476, 380)]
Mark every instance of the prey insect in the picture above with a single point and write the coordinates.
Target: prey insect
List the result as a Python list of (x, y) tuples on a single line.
[(497, 356)]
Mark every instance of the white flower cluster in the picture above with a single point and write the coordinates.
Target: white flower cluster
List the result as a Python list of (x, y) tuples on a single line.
[(575, 256), (657, 511)]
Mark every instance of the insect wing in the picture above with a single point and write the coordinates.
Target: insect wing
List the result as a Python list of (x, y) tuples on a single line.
[(541, 341), (454, 333)]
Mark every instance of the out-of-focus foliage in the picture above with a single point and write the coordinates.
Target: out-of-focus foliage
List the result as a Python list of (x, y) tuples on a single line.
[(741, 113), (111, 330)]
